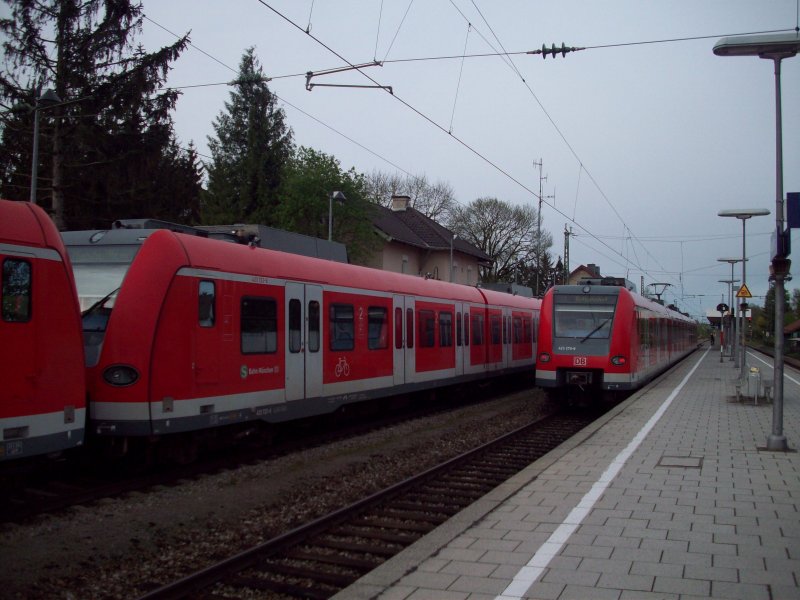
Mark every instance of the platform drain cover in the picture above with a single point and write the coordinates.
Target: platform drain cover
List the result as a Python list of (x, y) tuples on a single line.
[(685, 462)]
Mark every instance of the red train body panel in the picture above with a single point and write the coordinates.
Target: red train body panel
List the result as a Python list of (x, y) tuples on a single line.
[(42, 390), (605, 337), (203, 333)]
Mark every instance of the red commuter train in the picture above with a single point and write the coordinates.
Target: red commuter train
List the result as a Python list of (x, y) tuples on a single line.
[(185, 333), (600, 336), (42, 383)]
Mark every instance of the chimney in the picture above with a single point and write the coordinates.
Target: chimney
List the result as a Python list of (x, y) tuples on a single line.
[(400, 203), (594, 269)]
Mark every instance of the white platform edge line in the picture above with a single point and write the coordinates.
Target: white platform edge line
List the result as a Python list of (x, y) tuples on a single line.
[(528, 574)]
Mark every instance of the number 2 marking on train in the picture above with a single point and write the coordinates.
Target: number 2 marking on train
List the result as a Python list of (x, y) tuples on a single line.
[(580, 361)]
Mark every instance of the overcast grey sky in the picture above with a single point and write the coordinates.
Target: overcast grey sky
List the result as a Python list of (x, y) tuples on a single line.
[(642, 141)]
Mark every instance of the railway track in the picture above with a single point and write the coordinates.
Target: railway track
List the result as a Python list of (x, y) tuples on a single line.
[(60, 484), (317, 560)]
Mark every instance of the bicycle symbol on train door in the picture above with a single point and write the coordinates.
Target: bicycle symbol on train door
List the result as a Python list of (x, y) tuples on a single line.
[(342, 367)]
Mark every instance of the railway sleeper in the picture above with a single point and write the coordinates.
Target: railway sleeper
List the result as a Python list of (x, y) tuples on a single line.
[(491, 466), (467, 495), (377, 533), (477, 480), (393, 513), (281, 587), (390, 523), (364, 565), (338, 579), (427, 504), (454, 484), (447, 503), (362, 547)]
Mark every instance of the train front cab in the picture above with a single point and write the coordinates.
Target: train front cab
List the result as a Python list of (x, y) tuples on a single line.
[(42, 388), (583, 338)]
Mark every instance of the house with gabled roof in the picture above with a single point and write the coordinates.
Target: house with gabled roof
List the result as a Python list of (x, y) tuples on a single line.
[(417, 245)]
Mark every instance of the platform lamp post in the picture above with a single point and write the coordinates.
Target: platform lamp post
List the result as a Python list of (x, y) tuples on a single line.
[(340, 198), (732, 261), (732, 320), (46, 100), (743, 214), (453, 238), (774, 47)]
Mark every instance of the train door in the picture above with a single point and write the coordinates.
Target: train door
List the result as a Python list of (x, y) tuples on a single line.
[(19, 327), (403, 351), (506, 337), (303, 341), (459, 341), (207, 337)]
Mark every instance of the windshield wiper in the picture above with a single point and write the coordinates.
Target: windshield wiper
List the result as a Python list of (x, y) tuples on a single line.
[(99, 303), (595, 330)]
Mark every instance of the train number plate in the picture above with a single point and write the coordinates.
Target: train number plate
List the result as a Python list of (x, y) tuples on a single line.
[(580, 361)]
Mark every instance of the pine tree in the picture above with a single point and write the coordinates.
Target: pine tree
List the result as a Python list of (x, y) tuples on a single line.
[(251, 148), (108, 151)]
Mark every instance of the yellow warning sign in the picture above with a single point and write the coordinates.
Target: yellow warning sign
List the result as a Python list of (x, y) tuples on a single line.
[(744, 292)]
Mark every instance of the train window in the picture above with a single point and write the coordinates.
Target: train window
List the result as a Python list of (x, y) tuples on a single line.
[(206, 301), (477, 330), (466, 329), (409, 328), (378, 328), (517, 330), (527, 331), (427, 329), (295, 325), (342, 327), (446, 329), (259, 325), (459, 332), (398, 328), (494, 321), (506, 330), (313, 326), (16, 290)]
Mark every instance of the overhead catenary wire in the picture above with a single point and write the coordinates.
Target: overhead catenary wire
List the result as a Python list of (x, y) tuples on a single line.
[(458, 85), (463, 56), (424, 116)]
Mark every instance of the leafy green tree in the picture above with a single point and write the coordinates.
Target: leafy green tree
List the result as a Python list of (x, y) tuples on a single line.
[(505, 232), (769, 310), (108, 150), (796, 303), (252, 146), (308, 180)]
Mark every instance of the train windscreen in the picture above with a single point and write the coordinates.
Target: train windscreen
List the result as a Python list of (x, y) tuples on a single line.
[(583, 316), (99, 270)]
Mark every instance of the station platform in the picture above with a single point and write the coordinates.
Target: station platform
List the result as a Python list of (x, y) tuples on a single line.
[(671, 495)]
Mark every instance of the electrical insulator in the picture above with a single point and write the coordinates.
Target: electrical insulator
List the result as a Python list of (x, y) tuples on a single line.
[(555, 50)]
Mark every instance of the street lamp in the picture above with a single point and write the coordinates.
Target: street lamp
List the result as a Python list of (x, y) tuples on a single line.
[(732, 261), (47, 100), (774, 47), (743, 214), (453, 238), (340, 198)]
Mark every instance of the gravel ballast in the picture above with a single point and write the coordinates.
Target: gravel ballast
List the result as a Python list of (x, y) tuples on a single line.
[(122, 547)]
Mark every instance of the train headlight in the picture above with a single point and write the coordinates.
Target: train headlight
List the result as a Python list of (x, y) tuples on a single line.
[(544, 357), (120, 375), (619, 360)]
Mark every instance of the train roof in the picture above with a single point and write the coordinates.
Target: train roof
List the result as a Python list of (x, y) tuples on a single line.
[(213, 255), (26, 224), (614, 290)]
